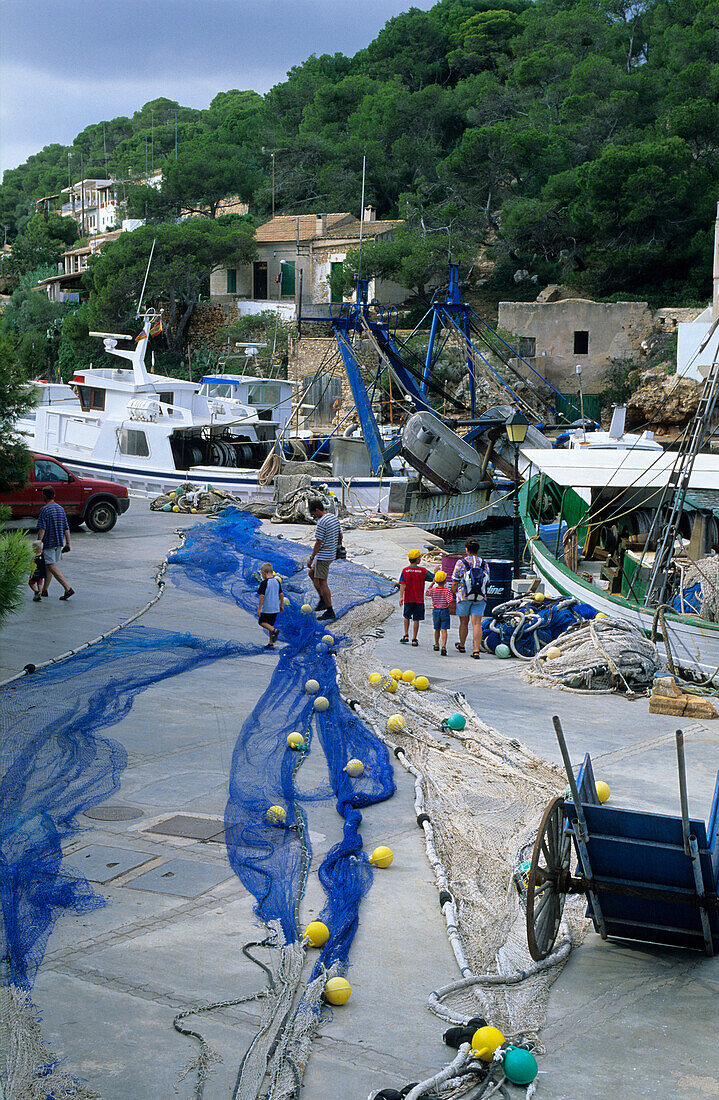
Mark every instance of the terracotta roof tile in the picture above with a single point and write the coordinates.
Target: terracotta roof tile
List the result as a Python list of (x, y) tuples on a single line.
[(284, 227), (371, 229)]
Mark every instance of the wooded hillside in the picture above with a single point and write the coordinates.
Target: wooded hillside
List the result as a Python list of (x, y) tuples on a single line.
[(576, 139)]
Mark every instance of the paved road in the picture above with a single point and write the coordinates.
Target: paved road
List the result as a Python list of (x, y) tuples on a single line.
[(638, 1023)]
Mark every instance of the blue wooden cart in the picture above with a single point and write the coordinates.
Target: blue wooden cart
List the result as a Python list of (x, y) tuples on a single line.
[(647, 877)]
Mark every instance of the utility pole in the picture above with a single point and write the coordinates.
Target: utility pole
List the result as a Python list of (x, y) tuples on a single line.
[(82, 196), (273, 185)]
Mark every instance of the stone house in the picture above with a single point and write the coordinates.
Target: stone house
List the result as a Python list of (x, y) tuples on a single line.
[(555, 334), (290, 244)]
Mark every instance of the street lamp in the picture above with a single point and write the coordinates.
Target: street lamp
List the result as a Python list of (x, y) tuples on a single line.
[(516, 429)]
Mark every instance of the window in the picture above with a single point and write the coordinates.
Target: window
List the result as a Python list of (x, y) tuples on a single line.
[(581, 342), (232, 280), (527, 347), (45, 470), (263, 393), (91, 398), (217, 389), (323, 400), (133, 442), (166, 398)]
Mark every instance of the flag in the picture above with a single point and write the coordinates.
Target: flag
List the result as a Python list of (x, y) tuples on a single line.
[(140, 337), (156, 329), (278, 280)]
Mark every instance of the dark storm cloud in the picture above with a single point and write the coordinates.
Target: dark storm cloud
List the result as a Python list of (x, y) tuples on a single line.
[(67, 64)]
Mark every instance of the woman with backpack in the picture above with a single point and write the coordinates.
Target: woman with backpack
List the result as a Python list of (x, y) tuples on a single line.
[(469, 584)]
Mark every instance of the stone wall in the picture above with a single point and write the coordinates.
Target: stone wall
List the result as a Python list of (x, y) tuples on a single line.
[(312, 354), (206, 319)]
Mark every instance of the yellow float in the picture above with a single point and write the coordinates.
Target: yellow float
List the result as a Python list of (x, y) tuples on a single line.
[(395, 723), (421, 683), (338, 991), (375, 677), (391, 686), (316, 933), (603, 790), (276, 815), (312, 686), (296, 741), (381, 857), (322, 703), (485, 1041), (354, 767), (396, 673), (409, 676)]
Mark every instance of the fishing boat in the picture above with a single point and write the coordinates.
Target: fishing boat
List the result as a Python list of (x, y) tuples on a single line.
[(154, 433), (602, 525)]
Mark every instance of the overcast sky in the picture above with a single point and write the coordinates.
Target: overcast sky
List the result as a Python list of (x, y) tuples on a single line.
[(67, 63)]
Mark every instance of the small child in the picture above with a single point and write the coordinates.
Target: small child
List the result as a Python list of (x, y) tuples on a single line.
[(412, 580), (441, 596), (270, 601), (39, 570)]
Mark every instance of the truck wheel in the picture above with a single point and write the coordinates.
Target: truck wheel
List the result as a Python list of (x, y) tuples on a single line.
[(101, 517)]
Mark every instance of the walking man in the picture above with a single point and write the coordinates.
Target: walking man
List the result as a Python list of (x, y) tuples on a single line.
[(328, 536), (53, 531), (469, 584)]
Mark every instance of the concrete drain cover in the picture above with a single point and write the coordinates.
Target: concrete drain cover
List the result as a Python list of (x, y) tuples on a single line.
[(100, 863), (113, 813), (191, 828), (181, 877)]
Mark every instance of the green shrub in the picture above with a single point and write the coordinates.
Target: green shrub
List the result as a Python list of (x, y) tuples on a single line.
[(15, 561)]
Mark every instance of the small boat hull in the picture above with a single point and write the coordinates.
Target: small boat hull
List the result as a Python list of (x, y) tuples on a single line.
[(693, 642)]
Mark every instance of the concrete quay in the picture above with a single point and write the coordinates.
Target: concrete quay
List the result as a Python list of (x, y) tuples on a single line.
[(638, 1022)]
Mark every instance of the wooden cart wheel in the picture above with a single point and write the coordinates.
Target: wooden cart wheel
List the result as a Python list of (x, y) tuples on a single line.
[(549, 869)]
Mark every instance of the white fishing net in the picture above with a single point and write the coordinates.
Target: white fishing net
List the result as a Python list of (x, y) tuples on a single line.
[(485, 794), (601, 656)]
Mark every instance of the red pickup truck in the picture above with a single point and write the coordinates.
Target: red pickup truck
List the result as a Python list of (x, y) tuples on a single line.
[(85, 499)]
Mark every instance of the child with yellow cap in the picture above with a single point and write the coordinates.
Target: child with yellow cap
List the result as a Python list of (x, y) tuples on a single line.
[(412, 580), (441, 595)]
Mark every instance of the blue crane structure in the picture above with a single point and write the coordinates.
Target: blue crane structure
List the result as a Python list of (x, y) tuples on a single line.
[(414, 376)]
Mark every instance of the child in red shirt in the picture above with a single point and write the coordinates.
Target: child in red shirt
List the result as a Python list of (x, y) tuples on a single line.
[(441, 595), (412, 580)]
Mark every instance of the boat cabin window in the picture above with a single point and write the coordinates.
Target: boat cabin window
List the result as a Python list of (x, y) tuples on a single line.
[(263, 393), (133, 442), (91, 398), (216, 389), (166, 398), (45, 470), (581, 342)]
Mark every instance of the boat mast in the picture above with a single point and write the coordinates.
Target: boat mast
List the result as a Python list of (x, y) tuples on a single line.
[(678, 484)]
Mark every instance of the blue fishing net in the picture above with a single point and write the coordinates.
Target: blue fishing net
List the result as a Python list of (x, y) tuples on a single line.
[(526, 627), (272, 860), (54, 764)]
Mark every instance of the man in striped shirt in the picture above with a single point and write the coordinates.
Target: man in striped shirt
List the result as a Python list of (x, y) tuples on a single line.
[(328, 536)]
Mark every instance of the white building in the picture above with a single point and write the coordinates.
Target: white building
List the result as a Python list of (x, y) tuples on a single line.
[(93, 205)]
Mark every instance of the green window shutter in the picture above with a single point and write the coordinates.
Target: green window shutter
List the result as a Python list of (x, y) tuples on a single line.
[(287, 286), (232, 280)]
